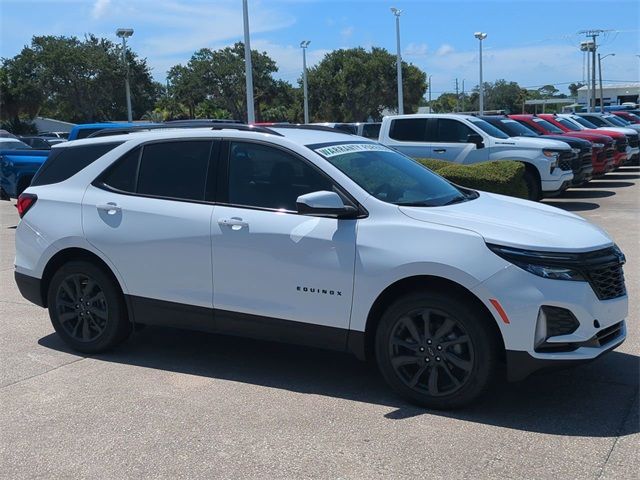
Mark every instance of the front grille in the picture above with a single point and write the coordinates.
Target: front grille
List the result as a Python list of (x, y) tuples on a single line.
[(586, 160), (569, 161), (610, 152), (607, 281), (621, 145), (560, 321), (633, 141)]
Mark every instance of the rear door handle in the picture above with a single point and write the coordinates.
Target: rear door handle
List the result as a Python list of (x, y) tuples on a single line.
[(111, 208), (439, 150), (236, 223)]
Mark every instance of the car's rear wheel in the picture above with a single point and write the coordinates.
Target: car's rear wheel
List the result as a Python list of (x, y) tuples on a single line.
[(436, 350), (86, 308)]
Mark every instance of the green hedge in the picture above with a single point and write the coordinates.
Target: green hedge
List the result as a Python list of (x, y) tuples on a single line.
[(504, 177)]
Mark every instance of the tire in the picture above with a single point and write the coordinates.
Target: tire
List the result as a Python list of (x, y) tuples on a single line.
[(534, 188), (409, 360), (89, 325)]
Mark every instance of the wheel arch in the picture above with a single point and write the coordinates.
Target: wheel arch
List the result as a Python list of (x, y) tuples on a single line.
[(363, 344), (74, 254)]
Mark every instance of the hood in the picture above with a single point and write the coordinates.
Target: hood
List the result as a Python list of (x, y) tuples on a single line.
[(607, 132), (623, 130), (593, 137), (517, 223), (572, 141), (538, 143)]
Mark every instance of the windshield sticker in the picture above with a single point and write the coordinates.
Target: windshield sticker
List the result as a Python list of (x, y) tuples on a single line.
[(335, 150)]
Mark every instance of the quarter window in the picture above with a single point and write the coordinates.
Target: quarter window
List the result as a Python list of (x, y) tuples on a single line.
[(267, 177)]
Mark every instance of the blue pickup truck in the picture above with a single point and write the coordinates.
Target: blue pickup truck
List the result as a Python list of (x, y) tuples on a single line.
[(19, 162)]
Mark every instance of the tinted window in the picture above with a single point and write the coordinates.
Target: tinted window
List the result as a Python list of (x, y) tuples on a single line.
[(390, 176), (267, 177), (409, 129), (617, 120), (568, 124), (371, 130), (486, 127), (174, 169), (13, 145), (63, 163), (584, 122), (517, 129), (549, 127), (453, 131), (345, 127), (597, 121), (123, 173)]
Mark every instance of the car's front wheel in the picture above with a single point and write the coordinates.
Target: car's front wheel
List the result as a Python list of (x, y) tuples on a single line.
[(436, 350), (86, 308)]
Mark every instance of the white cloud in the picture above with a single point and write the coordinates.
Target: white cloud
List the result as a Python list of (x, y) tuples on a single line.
[(444, 49), (346, 32), (100, 8), (289, 58), (416, 50)]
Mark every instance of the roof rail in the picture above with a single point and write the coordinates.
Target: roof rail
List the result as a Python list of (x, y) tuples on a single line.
[(107, 132), (304, 126)]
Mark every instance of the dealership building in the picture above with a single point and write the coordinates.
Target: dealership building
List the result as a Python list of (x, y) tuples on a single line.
[(613, 94)]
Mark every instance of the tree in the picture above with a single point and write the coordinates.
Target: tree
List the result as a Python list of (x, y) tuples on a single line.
[(499, 95), (75, 80), (573, 88), (356, 84), (548, 91)]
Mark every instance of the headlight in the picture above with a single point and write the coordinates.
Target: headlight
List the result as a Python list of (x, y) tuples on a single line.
[(598, 145), (551, 153), (543, 264)]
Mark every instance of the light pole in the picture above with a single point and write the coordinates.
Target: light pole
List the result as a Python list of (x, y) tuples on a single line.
[(600, 75), (248, 70), (125, 33), (304, 44), (481, 36), (397, 13), (430, 107)]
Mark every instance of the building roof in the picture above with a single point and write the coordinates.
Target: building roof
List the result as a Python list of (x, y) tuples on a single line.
[(615, 86)]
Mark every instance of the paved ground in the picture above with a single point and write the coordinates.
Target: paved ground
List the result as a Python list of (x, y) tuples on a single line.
[(174, 404)]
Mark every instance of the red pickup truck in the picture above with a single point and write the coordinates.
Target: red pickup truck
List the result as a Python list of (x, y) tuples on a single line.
[(603, 150)]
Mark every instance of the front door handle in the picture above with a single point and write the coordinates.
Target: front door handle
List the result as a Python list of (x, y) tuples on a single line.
[(236, 223), (111, 208), (439, 150)]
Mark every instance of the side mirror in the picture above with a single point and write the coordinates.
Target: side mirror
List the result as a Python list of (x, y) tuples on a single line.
[(477, 139), (325, 204)]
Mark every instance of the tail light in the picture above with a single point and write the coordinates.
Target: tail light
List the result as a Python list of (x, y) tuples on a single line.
[(25, 202)]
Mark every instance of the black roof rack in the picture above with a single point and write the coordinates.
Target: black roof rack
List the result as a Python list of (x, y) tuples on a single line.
[(107, 132), (304, 126)]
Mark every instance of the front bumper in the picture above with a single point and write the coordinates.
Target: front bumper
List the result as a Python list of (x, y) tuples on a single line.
[(557, 183), (522, 294)]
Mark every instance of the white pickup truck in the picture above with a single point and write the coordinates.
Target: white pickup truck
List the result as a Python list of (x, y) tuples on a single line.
[(467, 139)]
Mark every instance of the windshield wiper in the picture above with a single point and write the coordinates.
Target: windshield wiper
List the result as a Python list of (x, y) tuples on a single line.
[(423, 203)]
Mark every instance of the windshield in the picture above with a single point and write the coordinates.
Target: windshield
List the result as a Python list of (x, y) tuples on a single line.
[(16, 145), (389, 175), (568, 124), (486, 127), (583, 122), (597, 121), (617, 120), (516, 129), (549, 127)]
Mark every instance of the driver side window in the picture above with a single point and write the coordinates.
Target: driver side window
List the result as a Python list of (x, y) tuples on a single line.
[(452, 131), (267, 177)]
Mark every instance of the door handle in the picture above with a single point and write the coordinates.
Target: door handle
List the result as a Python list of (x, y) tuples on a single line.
[(236, 223), (439, 150), (111, 208)]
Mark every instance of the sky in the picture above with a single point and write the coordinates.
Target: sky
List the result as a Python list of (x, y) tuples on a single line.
[(531, 42)]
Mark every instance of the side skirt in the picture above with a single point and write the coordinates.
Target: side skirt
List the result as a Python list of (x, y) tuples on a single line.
[(150, 311)]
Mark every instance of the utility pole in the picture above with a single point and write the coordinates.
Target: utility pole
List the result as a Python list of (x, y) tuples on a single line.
[(304, 44), (592, 46), (248, 69), (397, 13), (457, 97), (430, 108), (600, 75), (462, 99)]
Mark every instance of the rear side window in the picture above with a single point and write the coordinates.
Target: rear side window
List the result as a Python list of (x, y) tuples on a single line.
[(85, 132), (371, 130), (169, 169), (63, 163), (409, 129)]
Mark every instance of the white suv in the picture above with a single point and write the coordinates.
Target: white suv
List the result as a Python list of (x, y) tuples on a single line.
[(319, 238)]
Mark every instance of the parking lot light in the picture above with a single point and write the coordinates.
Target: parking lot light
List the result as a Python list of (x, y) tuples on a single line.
[(248, 69), (304, 44), (481, 36), (125, 33), (397, 13)]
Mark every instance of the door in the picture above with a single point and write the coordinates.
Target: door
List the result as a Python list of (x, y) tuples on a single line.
[(147, 214), (451, 144), (268, 260), (409, 136)]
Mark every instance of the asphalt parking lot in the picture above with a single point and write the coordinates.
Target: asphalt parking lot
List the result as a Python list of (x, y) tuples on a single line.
[(178, 404)]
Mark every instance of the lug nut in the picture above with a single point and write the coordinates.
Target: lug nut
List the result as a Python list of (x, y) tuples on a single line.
[(421, 349), (429, 342), (439, 347), (437, 359)]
